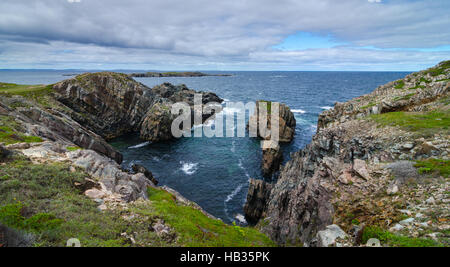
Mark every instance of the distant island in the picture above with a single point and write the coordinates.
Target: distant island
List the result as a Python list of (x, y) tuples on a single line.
[(174, 74)]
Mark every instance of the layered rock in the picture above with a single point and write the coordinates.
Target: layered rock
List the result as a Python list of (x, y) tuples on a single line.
[(271, 159), (286, 122), (257, 197), (342, 171), (112, 104)]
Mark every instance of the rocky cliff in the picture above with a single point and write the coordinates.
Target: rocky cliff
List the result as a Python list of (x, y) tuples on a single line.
[(379, 161)]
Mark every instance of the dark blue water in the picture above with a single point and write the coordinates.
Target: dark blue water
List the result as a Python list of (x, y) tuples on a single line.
[(214, 172)]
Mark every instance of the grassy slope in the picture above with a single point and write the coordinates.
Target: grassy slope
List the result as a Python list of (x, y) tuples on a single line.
[(43, 200)]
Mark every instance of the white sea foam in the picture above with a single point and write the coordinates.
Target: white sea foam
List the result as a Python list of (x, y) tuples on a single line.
[(234, 193), (241, 218), (188, 167), (326, 108), (301, 111), (140, 145)]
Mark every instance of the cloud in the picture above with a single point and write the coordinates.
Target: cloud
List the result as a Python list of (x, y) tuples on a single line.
[(223, 32)]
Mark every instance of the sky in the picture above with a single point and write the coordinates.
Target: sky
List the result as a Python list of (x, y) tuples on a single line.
[(295, 35)]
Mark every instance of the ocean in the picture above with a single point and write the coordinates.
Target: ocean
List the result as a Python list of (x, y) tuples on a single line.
[(214, 172)]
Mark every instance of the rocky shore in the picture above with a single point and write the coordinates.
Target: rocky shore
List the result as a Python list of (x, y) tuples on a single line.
[(58, 133), (378, 167)]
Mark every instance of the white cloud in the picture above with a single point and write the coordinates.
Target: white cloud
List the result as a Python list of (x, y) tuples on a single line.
[(230, 32)]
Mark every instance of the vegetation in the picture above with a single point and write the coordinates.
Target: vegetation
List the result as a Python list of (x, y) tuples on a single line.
[(10, 132), (371, 104), (196, 229), (268, 105), (44, 200), (72, 148), (399, 84), (393, 240), (38, 93), (434, 166), (405, 97), (439, 70), (431, 122)]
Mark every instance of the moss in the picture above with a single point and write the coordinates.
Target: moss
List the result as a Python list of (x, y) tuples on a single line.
[(196, 229), (427, 123), (393, 240), (399, 84), (10, 132), (434, 166)]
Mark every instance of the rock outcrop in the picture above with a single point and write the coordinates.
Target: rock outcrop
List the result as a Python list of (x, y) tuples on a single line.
[(286, 120), (257, 197), (112, 104), (341, 177), (271, 160)]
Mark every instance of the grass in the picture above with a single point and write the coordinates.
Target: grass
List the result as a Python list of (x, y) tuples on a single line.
[(72, 148), (434, 166), (196, 229), (392, 240), (439, 70), (405, 97), (431, 122), (399, 84), (10, 132), (45, 201), (38, 93), (20, 89), (371, 104)]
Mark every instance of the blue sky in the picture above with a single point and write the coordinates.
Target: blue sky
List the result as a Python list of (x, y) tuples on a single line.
[(224, 35)]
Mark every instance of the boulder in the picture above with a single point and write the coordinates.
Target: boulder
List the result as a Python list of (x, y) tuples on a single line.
[(329, 236), (141, 169)]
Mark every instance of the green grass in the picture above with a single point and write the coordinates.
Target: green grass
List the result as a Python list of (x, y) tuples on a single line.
[(431, 122), (392, 240), (434, 166), (371, 104), (423, 80), (439, 70), (44, 200), (72, 148), (196, 229), (20, 89), (10, 132), (399, 84), (38, 93), (405, 97)]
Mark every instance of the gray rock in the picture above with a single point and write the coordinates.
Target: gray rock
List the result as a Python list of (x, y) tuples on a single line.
[(407, 222), (328, 236)]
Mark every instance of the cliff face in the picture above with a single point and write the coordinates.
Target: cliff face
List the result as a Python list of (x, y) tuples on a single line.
[(113, 104), (359, 168)]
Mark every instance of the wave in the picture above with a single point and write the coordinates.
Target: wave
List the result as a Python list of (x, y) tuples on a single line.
[(140, 145), (234, 193), (326, 108), (301, 111), (188, 168)]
